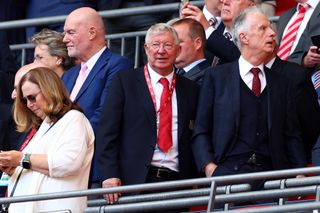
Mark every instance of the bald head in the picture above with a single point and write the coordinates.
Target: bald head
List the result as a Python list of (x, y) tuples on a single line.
[(88, 17), (84, 33), (20, 73)]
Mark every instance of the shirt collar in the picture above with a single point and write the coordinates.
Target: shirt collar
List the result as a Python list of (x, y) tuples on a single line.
[(312, 3), (155, 77), (245, 67), (193, 64), (92, 61)]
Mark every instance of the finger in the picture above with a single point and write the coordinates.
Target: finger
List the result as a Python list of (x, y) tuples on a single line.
[(110, 198)]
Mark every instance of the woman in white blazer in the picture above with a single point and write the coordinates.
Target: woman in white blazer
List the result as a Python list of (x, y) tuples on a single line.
[(59, 156)]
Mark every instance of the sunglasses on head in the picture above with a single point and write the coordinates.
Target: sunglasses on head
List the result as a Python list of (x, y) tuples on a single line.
[(31, 98)]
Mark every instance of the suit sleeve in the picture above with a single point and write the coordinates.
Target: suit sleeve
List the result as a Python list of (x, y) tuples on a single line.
[(114, 66), (296, 151), (202, 135), (221, 47), (108, 132)]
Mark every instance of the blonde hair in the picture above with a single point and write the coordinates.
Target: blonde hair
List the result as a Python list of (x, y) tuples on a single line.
[(52, 90)]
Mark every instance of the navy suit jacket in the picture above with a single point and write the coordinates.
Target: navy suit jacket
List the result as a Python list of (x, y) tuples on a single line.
[(94, 90), (127, 133), (218, 119), (306, 100), (305, 42), (222, 47), (197, 72)]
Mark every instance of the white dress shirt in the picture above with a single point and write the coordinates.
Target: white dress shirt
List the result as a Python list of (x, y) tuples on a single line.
[(162, 159), (247, 76)]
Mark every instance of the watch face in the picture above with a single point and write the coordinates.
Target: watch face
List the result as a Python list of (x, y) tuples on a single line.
[(26, 164), (26, 161)]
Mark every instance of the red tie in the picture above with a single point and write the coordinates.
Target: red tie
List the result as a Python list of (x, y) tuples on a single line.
[(256, 85), (165, 123), (291, 34)]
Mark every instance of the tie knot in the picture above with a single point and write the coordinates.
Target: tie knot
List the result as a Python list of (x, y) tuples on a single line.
[(164, 82), (303, 7), (255, 71), (227, 35), (83, 68), (213, 21)]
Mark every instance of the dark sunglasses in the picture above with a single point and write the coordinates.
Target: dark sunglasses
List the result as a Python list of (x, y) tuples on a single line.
[(31, 98)]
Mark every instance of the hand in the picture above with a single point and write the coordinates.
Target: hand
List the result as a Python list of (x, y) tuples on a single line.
[(312, 58), (8, 170), (209, 169), (10, 158), (193, 12), (111, 182)]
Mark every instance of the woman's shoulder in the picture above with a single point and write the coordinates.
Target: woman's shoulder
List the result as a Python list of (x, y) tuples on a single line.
[(74, 114)]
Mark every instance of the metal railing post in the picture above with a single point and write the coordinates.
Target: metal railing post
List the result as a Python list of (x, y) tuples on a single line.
[(213, 191)]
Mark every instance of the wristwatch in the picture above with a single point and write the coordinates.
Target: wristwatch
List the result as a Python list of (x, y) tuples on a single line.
[(25, 163)]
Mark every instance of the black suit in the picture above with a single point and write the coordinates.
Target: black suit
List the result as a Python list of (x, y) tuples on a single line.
[(218, 119), (127, 132), (305, 97), (197, 72)]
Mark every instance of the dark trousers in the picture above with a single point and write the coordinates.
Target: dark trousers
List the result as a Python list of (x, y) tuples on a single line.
[(242, 164), (156, 176)]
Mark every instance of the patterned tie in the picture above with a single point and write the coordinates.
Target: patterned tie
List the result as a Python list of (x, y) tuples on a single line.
[(228, 35), (213, 21), (291, 34), (316, 82), (165, 124), (80, 80), (256, 84)]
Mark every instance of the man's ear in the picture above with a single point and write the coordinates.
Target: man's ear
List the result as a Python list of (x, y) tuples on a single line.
[(243, 38)]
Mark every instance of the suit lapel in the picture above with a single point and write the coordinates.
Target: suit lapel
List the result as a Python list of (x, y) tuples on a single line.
[(145, 96), (181, 104), (272, 89), (100, 64), (234, 90)]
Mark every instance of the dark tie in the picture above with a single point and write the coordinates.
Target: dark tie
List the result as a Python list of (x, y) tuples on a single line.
[(180, 71), (213, 21), (227, 35), (256, 84), (165, 123)]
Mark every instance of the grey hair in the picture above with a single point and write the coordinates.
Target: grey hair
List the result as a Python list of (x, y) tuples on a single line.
[(159, 29), (240, 23)]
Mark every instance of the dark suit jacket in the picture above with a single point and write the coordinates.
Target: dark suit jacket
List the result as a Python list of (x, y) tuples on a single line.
[(308, 109), (197, 72), (221, 47), (94, 90), (218, 119), (305, 42), (127, 132)]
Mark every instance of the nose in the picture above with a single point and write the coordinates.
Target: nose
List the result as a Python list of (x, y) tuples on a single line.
[(272, 32), (14, 94), (225, 2), (65, 38)]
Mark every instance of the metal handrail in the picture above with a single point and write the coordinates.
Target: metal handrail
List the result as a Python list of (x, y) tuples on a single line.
[(169, 185)]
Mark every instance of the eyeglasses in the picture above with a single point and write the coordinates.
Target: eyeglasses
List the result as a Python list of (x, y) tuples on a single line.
[(166, 46), (31, 98)]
